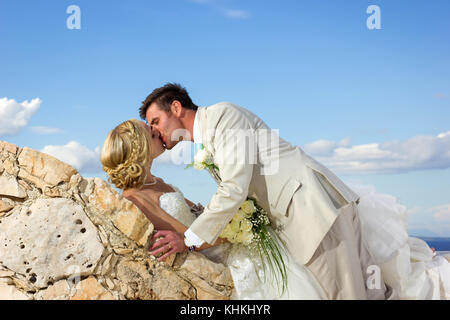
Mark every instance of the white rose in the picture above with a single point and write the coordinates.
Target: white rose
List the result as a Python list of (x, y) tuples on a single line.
[(240, 215), (248, 207), (235, 225), (246, 225), (244, 238), (198, 165), (226, 233), (201, 156)]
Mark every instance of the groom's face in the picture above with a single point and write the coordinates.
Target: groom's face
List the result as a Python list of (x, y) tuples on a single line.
[(165, 123)]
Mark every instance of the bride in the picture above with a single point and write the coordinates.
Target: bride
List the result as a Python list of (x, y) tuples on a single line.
[(406, 264)]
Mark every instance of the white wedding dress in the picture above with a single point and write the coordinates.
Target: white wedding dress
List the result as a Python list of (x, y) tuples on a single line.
[(407, 264)]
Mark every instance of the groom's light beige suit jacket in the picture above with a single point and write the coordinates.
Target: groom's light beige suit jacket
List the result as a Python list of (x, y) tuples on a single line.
[(275, 174)]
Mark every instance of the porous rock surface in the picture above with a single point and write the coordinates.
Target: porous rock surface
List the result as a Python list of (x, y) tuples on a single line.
[(66, 237)]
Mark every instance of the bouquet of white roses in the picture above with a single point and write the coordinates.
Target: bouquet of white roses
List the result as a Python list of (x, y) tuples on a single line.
[(250, 226)]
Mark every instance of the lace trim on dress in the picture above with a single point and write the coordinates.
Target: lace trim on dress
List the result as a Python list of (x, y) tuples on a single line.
[(175, 205)]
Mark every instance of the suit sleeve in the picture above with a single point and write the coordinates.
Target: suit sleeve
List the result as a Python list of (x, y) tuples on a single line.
[(233, 141)]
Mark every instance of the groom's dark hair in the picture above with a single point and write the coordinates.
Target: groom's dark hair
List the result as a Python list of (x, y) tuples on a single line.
[(164, 97)]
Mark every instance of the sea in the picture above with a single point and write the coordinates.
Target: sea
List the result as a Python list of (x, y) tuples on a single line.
[(440, 244)]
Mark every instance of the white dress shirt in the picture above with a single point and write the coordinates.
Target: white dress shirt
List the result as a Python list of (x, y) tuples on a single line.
[(196, 131), (190, 238)]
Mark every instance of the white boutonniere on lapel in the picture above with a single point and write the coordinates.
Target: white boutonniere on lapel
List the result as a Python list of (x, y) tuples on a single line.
[(203, 159)]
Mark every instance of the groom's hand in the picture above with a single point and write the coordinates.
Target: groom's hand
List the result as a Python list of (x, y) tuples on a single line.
[(171, 242)]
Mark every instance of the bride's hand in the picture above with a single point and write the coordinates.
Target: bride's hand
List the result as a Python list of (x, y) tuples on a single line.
[(171, 242)]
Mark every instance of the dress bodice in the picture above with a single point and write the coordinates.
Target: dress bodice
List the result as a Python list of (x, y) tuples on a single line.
[(174, 204)]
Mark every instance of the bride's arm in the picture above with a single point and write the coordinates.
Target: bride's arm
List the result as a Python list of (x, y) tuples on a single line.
[(189, 203), (160, 219), (172, 230)]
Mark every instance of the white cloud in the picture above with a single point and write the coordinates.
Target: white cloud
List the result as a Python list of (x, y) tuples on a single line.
[(78, 156), (236, 14), (443, 135), (433, 222), (15, 116), (86, 160), (325, 147), (414, 210), (441, 213), (46, 130), (417, 153), (226, 12)]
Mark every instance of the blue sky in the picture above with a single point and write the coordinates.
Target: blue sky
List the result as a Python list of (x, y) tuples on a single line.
[(373, 105)]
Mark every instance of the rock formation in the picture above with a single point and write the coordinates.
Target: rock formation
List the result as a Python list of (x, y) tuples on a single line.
[(66, 237)]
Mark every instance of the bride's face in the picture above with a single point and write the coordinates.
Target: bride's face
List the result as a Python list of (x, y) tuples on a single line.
[(154, 142)]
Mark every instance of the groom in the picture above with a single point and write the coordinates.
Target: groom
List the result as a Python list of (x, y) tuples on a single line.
[(316, 211)]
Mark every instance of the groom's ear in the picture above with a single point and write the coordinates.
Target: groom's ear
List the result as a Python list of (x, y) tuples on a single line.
[(176, 108)]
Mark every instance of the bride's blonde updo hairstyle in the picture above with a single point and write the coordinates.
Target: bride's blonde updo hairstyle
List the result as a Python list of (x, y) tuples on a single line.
[(125, 154)]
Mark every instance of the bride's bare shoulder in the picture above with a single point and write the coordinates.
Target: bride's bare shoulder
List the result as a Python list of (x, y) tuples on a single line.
[(161, 180), (134, 195)]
